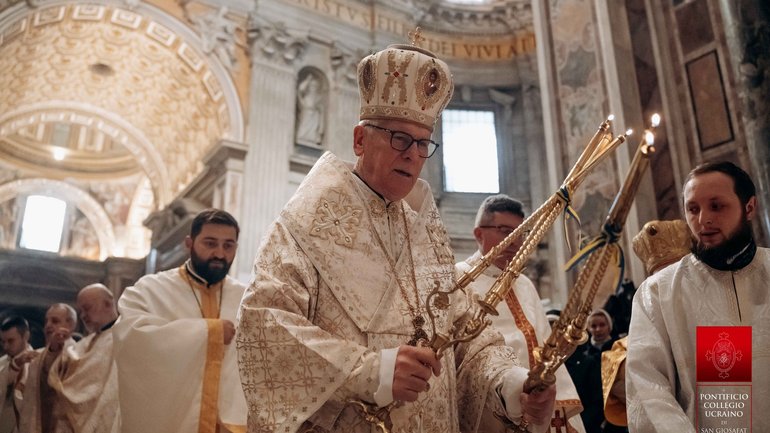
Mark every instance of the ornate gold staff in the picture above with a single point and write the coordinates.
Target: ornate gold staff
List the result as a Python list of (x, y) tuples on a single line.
[(570, 330), (534, 228)]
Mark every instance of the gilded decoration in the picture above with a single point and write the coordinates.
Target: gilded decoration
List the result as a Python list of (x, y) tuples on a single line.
[(366, 78), (431, 85), (111, 61), (397, 75), (336, 218)]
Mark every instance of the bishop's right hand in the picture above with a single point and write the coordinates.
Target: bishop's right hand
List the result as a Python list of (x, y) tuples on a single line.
[(229, 330), (414, 368)]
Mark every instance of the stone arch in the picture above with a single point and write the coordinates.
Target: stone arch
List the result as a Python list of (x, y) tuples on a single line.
[(73, 195), (146, 155)]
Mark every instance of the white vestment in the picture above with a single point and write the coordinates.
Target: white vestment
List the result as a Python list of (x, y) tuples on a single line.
[(335, 284), (175, 373), (669, 305), (12, 381), (524, 327), (85, 380), (39, 410)]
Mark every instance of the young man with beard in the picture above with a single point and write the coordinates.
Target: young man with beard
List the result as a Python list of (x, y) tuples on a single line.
[(174, 342), (724, 282)]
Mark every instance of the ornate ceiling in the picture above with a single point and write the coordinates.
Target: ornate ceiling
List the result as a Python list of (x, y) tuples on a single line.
[(109, 107), (120, 91)]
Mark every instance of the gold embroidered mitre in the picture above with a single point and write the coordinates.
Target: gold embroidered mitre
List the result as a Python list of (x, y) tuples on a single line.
[(661, 243), (404, 82)]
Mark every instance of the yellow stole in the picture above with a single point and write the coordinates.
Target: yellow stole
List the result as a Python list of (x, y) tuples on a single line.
[(209, 305)]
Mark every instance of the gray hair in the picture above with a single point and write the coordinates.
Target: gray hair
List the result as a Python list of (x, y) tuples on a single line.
[(498, 203), (72, 315)]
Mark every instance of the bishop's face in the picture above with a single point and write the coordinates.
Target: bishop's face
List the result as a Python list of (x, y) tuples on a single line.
[(391, 173)]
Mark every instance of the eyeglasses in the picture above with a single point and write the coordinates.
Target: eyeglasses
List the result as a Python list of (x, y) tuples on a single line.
[(402, 141), (503, 229)]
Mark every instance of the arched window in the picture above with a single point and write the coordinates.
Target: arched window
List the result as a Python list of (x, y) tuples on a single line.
[(43, 223)]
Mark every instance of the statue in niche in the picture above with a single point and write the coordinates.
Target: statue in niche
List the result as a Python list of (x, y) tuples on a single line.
[(8, 214), (83, 240), (218, 35), (310, 111)]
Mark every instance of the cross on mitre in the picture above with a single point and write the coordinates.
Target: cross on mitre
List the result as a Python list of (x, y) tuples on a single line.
[(416, 37)]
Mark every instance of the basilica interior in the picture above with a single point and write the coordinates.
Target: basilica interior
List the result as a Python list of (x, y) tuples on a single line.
[(121, 119)]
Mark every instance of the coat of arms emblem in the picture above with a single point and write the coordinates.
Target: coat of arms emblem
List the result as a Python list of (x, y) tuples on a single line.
[(724, 355)]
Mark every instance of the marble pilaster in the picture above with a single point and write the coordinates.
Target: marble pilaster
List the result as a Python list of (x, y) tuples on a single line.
[(270, 134), (747, 31)]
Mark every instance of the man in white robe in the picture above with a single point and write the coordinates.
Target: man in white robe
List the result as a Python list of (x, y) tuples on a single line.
[(724, 282), (84, 376), (521, 319), (39, 404), (14, 333), (176, 364), (341, 281)]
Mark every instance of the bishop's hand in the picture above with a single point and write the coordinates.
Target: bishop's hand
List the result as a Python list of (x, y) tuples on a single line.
[(414, 368)]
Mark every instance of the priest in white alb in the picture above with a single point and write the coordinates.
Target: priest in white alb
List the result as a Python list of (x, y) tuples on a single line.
[(521, 318), (84, 377), (174, 342), (724, 283), (40, 411)]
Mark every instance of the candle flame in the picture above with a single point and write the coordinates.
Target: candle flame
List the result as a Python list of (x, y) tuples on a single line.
[(655, 120), (649, 137), (611, 117), (629, 132)]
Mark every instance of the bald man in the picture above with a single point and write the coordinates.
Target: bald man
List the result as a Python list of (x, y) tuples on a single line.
[(37, 414), (85, 377)]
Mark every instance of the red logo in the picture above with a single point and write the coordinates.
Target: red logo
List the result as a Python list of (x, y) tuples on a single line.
[(724, 353)]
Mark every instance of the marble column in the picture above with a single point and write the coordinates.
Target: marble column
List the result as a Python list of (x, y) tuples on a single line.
[(552, 144), (625, 104), (746, 24), (270, 134)]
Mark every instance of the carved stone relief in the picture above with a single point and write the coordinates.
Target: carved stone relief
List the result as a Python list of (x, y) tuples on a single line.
[(218, 33), (344, 62), (275, 41)]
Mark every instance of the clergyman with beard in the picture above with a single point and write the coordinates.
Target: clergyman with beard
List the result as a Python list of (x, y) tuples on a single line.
[(174, 343), (724, 282)]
